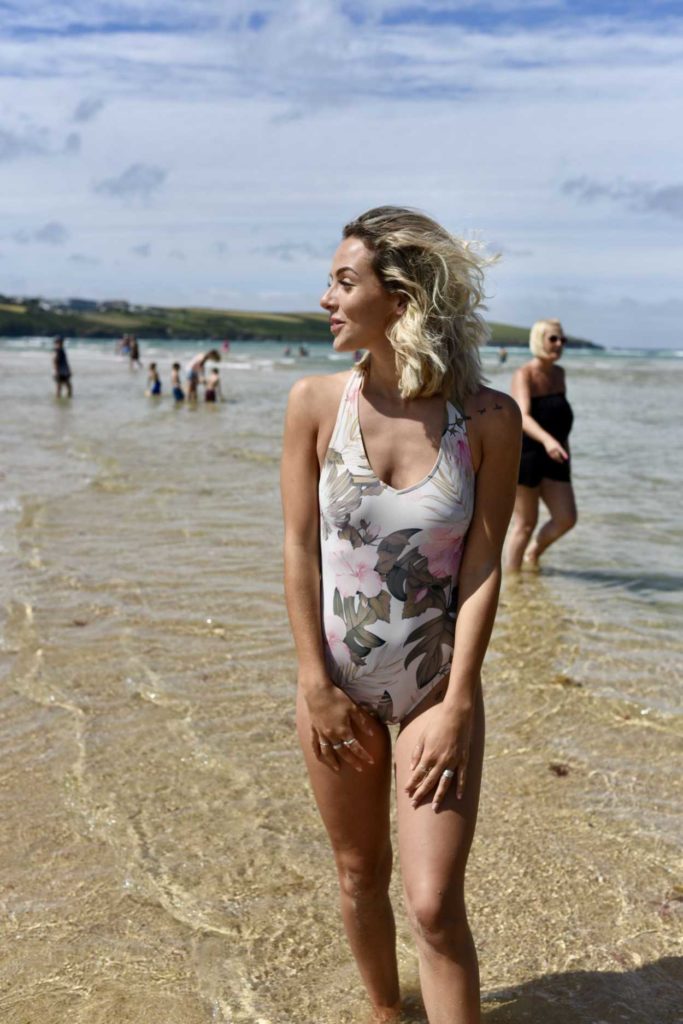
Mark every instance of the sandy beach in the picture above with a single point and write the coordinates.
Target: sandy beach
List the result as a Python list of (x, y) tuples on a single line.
[(162, 858)]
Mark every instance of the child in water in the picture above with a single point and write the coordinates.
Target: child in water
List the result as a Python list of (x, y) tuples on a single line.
[(213, 387), (153, 381), (178, 393)]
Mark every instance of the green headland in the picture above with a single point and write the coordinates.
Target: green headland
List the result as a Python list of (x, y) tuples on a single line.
[(85, 318)]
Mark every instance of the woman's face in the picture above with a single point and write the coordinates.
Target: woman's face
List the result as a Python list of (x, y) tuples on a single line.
[(553, 342), (361, 310)]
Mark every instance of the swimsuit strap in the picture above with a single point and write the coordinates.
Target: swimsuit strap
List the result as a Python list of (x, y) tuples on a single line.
[(347, 413)]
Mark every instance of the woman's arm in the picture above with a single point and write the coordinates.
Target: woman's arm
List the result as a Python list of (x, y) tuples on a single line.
[(299, 487), (446, 740), (333, 715)]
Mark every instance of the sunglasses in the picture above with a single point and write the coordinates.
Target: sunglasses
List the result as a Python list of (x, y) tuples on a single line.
[(557, 337)]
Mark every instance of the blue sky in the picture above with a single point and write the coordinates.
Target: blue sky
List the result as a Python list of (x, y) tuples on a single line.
[(208, 153)]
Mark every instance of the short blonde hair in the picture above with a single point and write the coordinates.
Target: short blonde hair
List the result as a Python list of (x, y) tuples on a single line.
[(536, 335), (436, 340)]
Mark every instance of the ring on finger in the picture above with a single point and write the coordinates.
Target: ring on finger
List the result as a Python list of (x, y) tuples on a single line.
[(323, 744), (337, 746), (424, 769), (447, 773), (348, 743)]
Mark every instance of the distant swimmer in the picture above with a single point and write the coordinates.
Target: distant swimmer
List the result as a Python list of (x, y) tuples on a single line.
[(61, 368), (134, 353), (545, 470), (287, 351), (212, 392), (195, 371), (226, 345), (153, 381), (303, 351), (176, 386), (502, 355)]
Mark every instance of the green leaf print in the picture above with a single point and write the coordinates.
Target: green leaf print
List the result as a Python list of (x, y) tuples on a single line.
[(351, 534), (390, 548), (432, 636), (361, 641), (337, 605), (381, 605)]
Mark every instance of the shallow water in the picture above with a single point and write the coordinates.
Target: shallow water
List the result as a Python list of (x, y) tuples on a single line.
[(162, 858)]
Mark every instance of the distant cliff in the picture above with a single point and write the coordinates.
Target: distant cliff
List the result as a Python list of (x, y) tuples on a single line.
[(85, 318)]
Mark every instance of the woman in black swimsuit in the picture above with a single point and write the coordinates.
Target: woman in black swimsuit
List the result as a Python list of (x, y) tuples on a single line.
[(544, 472)]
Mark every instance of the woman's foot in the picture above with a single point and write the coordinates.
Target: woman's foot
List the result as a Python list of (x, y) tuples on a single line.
[(385, 1014), (531, 557)]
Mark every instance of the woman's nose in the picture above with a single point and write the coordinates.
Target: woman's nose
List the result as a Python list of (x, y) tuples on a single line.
[(326, 299)]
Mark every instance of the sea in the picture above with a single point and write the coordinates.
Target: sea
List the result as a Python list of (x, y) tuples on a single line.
[(162, 861)]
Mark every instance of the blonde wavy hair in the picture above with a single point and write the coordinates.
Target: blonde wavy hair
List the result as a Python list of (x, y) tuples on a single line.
[(536, 335), (436, 340)]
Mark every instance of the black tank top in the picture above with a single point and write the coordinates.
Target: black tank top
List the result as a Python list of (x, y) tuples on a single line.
[(554, 414)]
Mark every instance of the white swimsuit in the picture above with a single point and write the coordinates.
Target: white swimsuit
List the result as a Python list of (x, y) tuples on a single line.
[(390, 561)]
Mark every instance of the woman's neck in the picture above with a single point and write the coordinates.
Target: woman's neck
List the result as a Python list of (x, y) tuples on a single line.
[(381, 376)]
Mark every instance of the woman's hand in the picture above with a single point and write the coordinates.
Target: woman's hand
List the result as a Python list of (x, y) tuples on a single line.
[(555, 450), (336, 723), (440, 755)]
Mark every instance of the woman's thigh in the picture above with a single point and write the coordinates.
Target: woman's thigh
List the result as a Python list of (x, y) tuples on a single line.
[(354, 805), (434, 846)]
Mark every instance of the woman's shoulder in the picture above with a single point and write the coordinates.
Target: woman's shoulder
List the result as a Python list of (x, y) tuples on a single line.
[(493, 417), (315, 394)]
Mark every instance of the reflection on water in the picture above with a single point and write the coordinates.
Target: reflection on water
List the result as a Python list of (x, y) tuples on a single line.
[(163, 858)]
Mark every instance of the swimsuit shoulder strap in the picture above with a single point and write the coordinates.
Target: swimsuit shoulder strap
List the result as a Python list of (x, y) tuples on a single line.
[(346, 412)]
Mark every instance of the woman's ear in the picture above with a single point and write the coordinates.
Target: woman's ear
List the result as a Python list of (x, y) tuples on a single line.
[(401, 304)]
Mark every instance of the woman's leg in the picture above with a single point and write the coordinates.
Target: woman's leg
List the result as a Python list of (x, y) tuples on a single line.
[(355, 810), (558, 496), (433, 849), (524, 519)]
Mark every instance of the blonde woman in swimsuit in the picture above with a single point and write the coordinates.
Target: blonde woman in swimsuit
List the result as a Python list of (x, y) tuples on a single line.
[(398, 481)]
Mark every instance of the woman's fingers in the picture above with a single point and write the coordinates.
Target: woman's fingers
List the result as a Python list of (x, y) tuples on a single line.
[(440, 779), (416, 754), (349, 749), (462, 777), (444, 784)]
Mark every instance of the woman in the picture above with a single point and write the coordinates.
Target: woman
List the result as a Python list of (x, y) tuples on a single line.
[(398, 481), (539, 389), (195, 371)]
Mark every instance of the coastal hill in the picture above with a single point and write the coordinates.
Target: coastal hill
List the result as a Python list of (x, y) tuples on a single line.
[(86, 318)]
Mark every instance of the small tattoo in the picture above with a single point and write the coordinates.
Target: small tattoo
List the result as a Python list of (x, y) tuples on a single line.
[(497, 407), (482, 411)]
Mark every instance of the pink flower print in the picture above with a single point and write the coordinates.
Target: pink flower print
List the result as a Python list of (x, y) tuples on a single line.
[(464, 453), (443, 550), (335, 631), (354, 571)]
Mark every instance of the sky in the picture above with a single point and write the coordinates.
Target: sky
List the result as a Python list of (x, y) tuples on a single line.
[(209, 152)]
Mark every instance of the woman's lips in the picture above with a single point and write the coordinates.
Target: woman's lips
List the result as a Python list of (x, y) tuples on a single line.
[(336, 325)]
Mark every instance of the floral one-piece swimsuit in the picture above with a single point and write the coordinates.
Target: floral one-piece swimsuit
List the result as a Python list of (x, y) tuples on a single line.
[(390, 561)]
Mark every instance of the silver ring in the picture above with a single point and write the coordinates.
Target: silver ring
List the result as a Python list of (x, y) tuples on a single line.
[(322, 743), (348, 743), (424, 769), (336, 746), (447, 774)]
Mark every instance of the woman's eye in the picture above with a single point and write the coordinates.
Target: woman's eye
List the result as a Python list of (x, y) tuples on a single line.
[(346, 284)]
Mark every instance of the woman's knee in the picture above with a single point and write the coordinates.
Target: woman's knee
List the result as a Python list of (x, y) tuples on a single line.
[(363, 878), (524, 525), (438, 922), (565, 520)]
